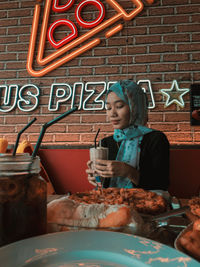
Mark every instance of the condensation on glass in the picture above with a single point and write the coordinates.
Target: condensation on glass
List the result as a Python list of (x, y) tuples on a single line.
[(23, 208)]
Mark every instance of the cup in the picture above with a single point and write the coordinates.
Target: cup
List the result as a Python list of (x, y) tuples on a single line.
[(23, 193), (99, 152)]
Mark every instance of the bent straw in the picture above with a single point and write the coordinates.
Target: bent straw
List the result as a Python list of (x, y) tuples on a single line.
[(95, 139), (46, 125), (19, 134)]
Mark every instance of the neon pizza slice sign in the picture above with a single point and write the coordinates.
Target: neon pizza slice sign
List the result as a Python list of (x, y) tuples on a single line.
[(62, 53)]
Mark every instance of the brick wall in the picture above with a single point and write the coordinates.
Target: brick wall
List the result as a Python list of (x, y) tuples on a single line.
[(161, 44)]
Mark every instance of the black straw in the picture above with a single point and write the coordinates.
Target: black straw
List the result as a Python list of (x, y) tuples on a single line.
[(19, 134), (95, 139), (46, 125)]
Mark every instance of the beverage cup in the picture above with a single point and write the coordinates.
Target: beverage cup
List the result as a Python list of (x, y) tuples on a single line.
[(98, 153)]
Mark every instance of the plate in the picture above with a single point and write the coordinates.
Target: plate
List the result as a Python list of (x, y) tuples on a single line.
[(177, 244), (91, 249)]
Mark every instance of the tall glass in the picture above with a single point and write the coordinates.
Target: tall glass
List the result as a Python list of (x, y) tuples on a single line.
[(98, 153), (23, 193)]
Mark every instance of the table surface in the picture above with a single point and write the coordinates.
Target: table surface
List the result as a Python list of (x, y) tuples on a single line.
[(166, 234)]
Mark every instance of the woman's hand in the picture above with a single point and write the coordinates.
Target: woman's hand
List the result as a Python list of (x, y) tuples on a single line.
[(113, 168), (91, 173)]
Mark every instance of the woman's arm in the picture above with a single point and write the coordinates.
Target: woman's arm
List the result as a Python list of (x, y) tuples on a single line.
[(154, 161)]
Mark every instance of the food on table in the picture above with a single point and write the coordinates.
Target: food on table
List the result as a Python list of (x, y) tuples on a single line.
[(104, 208), (141, 200), (3, 145), (190, 240), (194, 204)]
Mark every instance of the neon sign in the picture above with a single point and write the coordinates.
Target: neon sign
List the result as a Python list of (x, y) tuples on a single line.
[(174, 95), (87, 96), (63, 53)]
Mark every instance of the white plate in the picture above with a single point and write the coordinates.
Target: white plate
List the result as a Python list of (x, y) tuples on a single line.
[(91, 249)]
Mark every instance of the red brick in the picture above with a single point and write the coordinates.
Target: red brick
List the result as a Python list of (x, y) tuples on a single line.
[(17, 47), (148, 39), (11, 5), (119, 60), (134, 50), (164, 127), (188, 9), (18, 30), (178, 76), (6, 74), (180, 137), (79, 128), (15, 65), (18, 119), (188, 47), (155, 116), (162, 48), (19, 13), (67, 137), (188, 28), (161, 29), (103, 70), (93, 61), (161, 11), (177, 117), (8, 56), (147, 58), (189, 66), (32, 129), (163, 67), (148, 21), (176, 57), (8, 22), (80, 71), (33, 138), (93, 118), (195, 37), (105, 52), (196, 56), (134, 69), (175, 19), (176, 38), (7, 129)]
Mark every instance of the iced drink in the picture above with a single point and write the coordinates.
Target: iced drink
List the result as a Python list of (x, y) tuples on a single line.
[(22, 198), (98, 153)]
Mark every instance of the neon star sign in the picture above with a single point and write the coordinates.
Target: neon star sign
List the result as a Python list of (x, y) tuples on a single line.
[(174, 95), (72, 45)]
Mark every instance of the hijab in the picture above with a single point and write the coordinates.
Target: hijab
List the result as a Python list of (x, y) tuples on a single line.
[(130, 137)]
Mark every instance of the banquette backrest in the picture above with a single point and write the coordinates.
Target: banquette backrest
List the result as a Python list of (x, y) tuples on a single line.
[(66, 170)]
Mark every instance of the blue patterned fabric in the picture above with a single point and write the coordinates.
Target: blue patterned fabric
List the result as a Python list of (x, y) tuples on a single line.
[(130, 137)]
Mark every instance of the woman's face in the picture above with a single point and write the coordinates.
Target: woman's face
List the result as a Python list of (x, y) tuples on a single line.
[(118, 111)]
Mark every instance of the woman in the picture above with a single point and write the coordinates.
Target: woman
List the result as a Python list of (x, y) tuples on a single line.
[(138, 155)]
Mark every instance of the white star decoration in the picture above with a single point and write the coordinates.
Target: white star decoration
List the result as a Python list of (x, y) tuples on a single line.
[(174, 94)]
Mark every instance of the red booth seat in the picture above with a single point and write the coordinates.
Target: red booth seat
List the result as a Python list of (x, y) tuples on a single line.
[(66, 170)]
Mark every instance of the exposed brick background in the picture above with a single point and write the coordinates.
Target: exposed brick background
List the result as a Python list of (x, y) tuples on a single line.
[(161, 44)]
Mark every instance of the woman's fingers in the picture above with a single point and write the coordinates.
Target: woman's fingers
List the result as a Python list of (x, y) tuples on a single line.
[(89, 164)]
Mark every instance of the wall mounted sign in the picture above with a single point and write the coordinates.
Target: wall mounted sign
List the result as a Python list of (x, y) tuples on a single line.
[(87, 96), (68, 48), (174, 95), (195, 104)]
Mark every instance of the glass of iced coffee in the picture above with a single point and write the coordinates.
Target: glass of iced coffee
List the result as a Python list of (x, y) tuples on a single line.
[(99, 152), (23, 195)]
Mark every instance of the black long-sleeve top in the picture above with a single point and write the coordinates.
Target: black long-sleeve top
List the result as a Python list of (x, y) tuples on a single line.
[(153, 162)]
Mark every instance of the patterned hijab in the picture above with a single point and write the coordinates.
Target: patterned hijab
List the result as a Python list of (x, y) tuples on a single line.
[(131, 137)]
